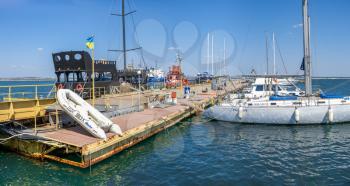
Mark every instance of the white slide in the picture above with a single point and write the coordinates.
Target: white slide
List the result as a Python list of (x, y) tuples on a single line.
[(86, 115)]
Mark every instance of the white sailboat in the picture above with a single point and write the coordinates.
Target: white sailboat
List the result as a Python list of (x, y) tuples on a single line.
[(308, 109)]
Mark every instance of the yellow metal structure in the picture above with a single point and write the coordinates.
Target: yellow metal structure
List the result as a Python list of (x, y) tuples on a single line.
[(23, 104)]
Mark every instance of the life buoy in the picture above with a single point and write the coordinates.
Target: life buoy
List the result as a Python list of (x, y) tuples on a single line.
[(60, 86), (185, 81), (79, 88)]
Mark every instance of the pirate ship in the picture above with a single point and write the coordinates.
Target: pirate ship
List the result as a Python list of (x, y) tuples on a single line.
[(73, 71), (74, 68)]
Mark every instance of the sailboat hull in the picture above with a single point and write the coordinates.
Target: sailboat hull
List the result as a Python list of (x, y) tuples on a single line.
[(281, 115)]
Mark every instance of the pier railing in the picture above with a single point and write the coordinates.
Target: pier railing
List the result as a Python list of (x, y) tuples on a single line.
[(27, 92), (41, 91), (21, 102)]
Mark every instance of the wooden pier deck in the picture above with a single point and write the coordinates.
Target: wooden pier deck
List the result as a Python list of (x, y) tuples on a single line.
[(78, 137)]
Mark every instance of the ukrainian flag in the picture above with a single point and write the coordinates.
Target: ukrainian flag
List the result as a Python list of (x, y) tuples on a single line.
[(90, 43)]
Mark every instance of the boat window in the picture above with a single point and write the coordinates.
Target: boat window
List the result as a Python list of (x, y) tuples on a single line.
[(105, 76), (67, 57), (77, 57), (71, 77), (57, 58), (274, 88), (61, 78), (84, 77), (259, 88)]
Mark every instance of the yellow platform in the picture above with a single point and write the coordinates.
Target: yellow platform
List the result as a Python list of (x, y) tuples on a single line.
[(14, 108)]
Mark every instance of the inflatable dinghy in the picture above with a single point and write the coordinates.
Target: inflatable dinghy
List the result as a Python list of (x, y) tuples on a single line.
[(87, 116)]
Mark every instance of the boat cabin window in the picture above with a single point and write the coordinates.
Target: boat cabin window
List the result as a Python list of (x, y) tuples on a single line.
[(278, 88), (84, 77), (61, 78), (259, 88), (72, 77)]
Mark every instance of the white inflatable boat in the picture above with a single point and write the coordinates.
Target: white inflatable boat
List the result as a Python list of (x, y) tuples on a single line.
[(84, 114)]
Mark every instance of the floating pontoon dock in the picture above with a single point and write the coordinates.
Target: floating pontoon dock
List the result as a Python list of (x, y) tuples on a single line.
[(74, 146)]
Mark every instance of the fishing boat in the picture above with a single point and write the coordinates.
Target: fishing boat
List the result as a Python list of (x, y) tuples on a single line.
[(310, 108), (175, 77)]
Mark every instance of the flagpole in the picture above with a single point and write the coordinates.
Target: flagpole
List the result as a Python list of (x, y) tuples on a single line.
[(93, 77), (91, 45)]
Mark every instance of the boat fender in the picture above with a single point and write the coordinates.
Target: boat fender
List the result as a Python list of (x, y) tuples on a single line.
[(330, 115), (79, 87), (60, 86), (240, 112), (296, 115)]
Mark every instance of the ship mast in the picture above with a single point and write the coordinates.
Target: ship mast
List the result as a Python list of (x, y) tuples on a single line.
[(124, 50), (307, 53), (124, 41)]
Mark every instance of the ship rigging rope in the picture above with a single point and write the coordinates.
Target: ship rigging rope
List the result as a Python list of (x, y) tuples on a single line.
[(136, 34), (4, 140), (108, 21), (282, 59), (283, 63)]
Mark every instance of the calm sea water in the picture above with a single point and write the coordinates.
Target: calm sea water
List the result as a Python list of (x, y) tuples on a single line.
[(20, 89), (201, 152)]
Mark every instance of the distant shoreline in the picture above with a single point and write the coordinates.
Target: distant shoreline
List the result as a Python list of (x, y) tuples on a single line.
[(27, 79)]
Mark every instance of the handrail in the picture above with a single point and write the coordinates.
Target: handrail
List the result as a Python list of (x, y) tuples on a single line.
[(9, 92), (19, 86), (35, 93)]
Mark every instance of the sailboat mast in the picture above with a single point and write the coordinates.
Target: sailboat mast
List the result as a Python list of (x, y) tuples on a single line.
[(208, 53), (307, 53), (212, 54), (274, 53), (267, 53), (224, 56), (124, 41)]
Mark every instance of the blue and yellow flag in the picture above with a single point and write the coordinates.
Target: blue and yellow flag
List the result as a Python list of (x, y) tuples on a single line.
[(90, 43)]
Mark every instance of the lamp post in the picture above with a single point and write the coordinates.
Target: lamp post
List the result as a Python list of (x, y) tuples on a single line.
[(139, 79)]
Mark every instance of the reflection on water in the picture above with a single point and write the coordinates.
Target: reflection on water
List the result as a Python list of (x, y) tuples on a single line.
[(200, 152)]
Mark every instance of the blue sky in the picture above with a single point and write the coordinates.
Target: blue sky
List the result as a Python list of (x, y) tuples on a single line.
[(31, 30)]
